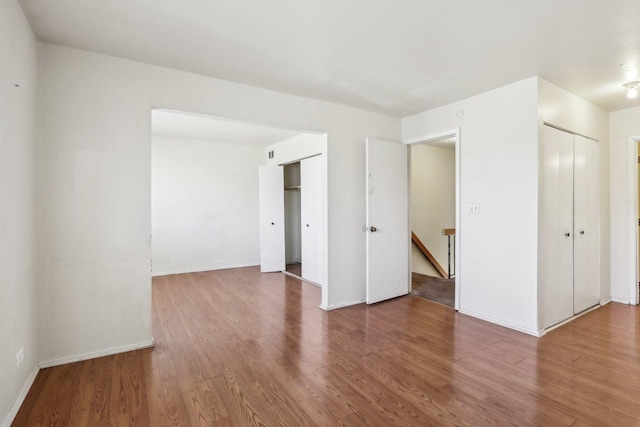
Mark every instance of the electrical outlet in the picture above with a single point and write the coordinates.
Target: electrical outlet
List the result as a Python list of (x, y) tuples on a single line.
[(474, 208), (20, 357)]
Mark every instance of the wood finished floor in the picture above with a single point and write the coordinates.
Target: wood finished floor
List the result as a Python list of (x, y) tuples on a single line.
[(236, 348)]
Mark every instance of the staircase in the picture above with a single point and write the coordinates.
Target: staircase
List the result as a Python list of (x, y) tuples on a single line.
[(443, 273), (416, 241)]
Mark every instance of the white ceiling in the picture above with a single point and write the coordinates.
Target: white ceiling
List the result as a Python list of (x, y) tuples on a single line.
[(192, 126), (390, 56)]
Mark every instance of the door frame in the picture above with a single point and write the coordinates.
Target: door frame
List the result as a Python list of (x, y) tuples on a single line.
[(634, 236), (426, 139)]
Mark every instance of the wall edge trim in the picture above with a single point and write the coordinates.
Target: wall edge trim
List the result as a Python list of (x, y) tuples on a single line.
[(619, 301), (23, 394), (99, 353), (202, 269), (501, 323), (341, 305)]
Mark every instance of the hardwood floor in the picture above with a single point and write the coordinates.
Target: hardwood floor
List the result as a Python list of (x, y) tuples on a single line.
[(235, 347)]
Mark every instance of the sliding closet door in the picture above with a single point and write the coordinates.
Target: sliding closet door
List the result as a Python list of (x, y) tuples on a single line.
[(556, 227), (311, 215), (271, 194), (586, 224)]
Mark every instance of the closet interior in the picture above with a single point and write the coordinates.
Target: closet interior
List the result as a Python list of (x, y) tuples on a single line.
[(292, 219)]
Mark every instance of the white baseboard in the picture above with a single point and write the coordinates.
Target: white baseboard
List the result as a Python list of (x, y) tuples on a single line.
[(344, 304), (201, 269), (571, 319), (621, 301), (606, 301), (501, 323), (23, 394), (95, 354)]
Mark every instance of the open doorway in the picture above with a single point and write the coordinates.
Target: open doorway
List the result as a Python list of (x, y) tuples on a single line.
[(204, 191), (433, 207), (205, 204)]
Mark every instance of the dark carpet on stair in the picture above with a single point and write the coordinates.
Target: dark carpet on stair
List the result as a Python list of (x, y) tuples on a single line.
[(434, 288)]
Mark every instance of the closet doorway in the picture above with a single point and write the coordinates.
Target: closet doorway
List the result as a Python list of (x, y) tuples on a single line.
[(293, 210), (303, 222)]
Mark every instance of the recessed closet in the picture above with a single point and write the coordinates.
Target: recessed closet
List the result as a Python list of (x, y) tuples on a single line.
[(299, 198), (569, 234)]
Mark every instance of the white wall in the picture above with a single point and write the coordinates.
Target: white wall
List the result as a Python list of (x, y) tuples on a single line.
[(433, 200), (499, 170), (18, 256), (204, 205), (96, 173), (623, 124), (420, 264), (561, 108)]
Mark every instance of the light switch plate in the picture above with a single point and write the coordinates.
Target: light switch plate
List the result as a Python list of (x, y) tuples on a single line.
[(474, 208)]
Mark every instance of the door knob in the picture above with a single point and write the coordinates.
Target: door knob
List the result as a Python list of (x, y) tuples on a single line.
[(373, 229), (567, 234), (273, 223), (582, 232)]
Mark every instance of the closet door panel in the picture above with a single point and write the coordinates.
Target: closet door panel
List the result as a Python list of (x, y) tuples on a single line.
[(586, 224), (311, 214), (556, 227), (271, 199)]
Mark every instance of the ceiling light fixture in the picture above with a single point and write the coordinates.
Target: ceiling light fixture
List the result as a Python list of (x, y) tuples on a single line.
[(632, 88)]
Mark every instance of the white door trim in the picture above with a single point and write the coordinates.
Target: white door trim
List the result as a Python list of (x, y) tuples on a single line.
[(455, 133), (634, 238)]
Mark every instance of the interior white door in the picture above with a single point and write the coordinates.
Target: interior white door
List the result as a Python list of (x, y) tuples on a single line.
[(586, 273), (556, 227), (311, 215), (271, 193), (387, 220)]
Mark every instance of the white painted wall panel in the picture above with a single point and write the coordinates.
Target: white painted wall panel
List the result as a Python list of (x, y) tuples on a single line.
[(204, 205), (623, 125), (19, 260)]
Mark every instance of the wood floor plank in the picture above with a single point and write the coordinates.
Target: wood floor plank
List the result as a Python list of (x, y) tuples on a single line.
[(239, 348)]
